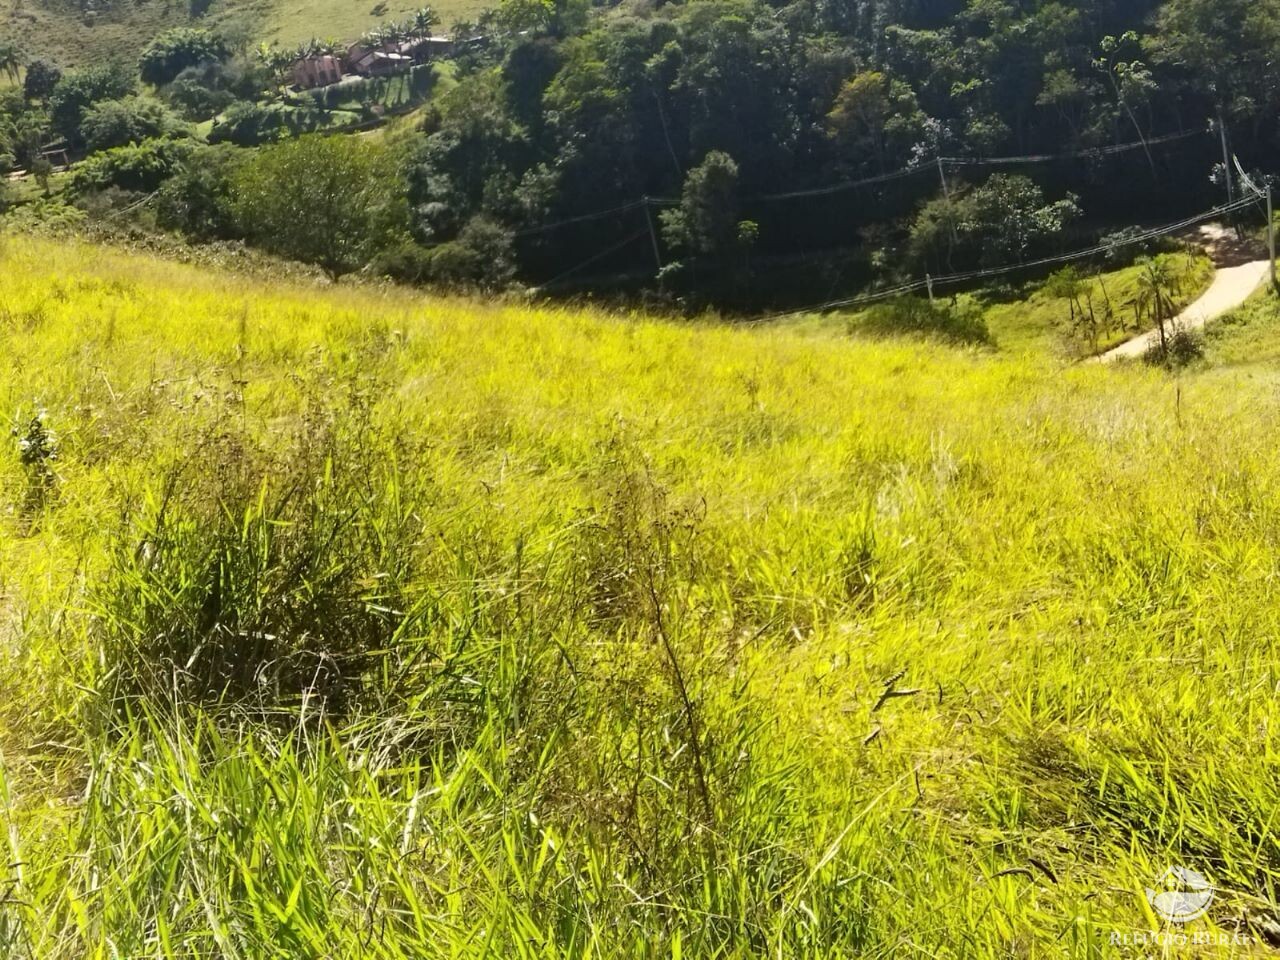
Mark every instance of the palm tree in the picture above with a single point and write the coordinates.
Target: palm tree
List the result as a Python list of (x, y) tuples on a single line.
[(1155, 293), (10, 61), (423, 20)]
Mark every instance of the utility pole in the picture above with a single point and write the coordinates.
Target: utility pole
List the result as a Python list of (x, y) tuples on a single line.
[(1271, 239), (1226, 157), (942, 175), (653, 236), (946, 192)]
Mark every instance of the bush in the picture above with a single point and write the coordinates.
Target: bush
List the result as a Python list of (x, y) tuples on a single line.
[(482, 257), (958, 323), (408, 262), (51, 215), (248, 124), (196, 199), (116, 123), (1183, 348), (142, 167)]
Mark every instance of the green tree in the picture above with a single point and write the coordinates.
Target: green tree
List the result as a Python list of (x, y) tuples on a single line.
[(557, 18), (996, 224), (708, 228), (1155, 296), (707, 221), (40, 79), (1225, 49), (114, 123), (331, 201), (1007, 216), (28, 134), (196, 200), (78, 91), (10, 61), (1130, 81), (177, 50), (875, 115)]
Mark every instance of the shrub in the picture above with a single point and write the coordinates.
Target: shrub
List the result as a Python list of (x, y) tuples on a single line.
[(53, 215), (115, 123), (196, 199), (482, 257), (408, 262), (37, 452), (142, 167), (249, 124), (1183, 348), (958, 323)]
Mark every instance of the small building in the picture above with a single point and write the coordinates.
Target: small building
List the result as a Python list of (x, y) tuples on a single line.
[(316, 72), (57, 153), (425, 49), (380, 63)]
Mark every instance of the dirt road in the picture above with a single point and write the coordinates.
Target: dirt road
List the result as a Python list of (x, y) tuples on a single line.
[(1231, 287)]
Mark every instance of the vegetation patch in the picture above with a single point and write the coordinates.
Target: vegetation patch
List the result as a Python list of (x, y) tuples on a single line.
[(344, 620)]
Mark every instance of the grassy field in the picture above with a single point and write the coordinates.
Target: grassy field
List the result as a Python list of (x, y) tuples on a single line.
[(344, 622), (62, 32), (295, 21)]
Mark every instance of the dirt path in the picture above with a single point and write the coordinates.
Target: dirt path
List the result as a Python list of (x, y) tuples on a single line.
[(1231, 287), (1239, 274)]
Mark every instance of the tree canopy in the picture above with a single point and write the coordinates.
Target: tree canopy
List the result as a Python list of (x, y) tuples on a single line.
[(330, 201), (754, 140), (177, 50)]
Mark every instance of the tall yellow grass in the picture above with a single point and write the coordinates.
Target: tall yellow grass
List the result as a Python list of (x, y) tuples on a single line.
[(745, 642)]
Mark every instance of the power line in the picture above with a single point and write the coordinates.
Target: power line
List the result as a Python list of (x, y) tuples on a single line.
[(594, 257), (891, 176), (839, 187), (913, 286), (597, 215), (1092, 152), (1087, 154)]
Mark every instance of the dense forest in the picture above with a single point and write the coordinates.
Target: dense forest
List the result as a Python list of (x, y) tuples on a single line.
[(727, 151)]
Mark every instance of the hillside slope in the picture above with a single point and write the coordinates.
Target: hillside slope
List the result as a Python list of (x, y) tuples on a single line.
[(460, 629), (73, 34)]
